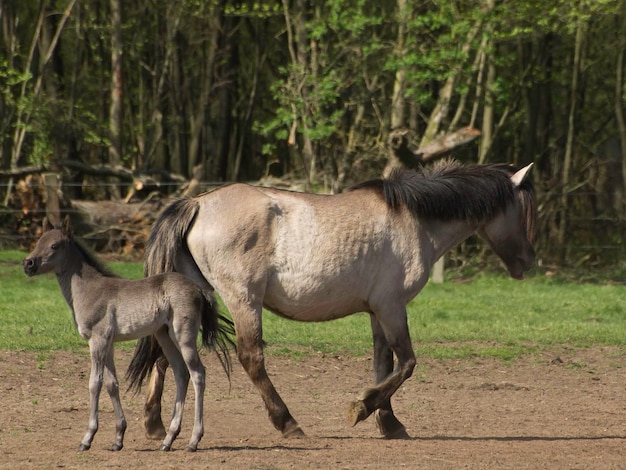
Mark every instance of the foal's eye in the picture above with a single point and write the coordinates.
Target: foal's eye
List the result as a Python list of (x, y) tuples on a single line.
[(55, 246)]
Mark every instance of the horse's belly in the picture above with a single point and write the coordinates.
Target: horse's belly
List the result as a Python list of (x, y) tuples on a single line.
[(312, 305)]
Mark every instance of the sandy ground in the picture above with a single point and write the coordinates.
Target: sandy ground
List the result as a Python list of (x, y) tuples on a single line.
[(565, 409)]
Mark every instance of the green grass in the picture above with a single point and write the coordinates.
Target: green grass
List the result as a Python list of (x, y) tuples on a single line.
[(488, 316)]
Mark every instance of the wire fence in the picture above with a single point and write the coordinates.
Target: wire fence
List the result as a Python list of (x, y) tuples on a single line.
[(597, 239)]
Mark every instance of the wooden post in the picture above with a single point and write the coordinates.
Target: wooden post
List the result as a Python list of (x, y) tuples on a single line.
[(438, 270), (53, 211)]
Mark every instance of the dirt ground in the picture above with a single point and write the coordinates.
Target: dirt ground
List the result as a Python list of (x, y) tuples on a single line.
[(560, 410)]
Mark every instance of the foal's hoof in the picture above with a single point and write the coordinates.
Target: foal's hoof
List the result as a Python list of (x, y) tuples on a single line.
[(166, 448), (83, 447), (357, 412), (191, 448), (294, 433), (116, 447)]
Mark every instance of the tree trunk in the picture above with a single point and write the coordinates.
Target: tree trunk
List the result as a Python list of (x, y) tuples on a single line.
[(115, 109), (488, 113), (569, 146), (23, 115), (490, 79), (154, 130), (302, 66), (619, 204), (398, 102)]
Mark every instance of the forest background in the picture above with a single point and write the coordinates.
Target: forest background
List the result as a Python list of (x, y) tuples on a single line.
[(124, 97)]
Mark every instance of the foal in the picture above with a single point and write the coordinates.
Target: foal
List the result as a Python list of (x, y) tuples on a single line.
[(107, 309)]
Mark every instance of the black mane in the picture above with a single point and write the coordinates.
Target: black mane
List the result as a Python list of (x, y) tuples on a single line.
[(449, 190)]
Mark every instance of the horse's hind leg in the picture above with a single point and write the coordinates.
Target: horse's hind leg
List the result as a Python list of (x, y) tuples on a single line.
[(152, 408), (112, 386), (181, 376), (250, 352), (386, 421)]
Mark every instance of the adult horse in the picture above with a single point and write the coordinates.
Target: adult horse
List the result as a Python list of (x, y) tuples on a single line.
[(312, 258)]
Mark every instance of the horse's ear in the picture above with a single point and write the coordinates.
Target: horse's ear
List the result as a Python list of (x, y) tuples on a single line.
[(65, 226), (520, 176), (46, 225)]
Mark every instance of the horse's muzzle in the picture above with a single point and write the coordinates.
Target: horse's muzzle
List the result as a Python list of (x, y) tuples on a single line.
[(30, 266)]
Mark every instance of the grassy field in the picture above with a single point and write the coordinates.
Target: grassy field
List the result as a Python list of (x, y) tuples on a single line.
[(489, 315)]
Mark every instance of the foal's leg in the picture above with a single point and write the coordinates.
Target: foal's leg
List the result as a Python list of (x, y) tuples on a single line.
[(393, 323), (181, 376), (250, 353), (98, 348), (387, 423), (112, 386), (152, 408), (190, 355)]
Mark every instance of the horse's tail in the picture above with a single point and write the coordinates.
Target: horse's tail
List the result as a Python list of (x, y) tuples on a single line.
[(147, 352), (166, 243), (167, 237)]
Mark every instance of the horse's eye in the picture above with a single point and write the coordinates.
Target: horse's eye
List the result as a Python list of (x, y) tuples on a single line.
[(55, 246)]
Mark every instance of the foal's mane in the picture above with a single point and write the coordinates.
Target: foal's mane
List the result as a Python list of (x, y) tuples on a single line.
[(450, 191), (90, 259)]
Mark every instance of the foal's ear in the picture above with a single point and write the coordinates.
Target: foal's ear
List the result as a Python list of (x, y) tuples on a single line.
[(46, 225), (520, 176), (65, 226)]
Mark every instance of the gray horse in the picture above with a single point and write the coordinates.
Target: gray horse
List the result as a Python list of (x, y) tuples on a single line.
[(107, 309), (313, 258)]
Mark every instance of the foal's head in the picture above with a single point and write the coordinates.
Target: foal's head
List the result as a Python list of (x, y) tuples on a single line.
[(510, 233), (50, 252)]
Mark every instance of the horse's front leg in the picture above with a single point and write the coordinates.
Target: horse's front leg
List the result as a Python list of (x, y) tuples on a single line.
[(386, 421), (152, 408), (112, 386), (250, 353), (394, 326), (97, 348)]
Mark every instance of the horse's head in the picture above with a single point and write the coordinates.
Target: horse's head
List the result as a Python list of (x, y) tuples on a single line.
[(48, 253), (510, 234)]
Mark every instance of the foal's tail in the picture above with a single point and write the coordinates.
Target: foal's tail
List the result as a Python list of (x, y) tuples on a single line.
[(217, 332), (166, 244), (147, 352)]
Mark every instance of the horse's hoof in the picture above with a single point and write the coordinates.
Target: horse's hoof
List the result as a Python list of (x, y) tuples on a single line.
[(153, 424), (357, 412), (156, 433), (191, 448), (83, 447), (166, 448), (390, 427), (294, 433), (397, 434), (117, 447)]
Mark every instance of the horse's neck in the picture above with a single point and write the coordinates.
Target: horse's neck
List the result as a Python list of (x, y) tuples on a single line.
[(446, 235), (74, 277)]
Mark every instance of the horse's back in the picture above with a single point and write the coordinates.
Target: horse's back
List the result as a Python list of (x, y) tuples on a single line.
[(143, 304)]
